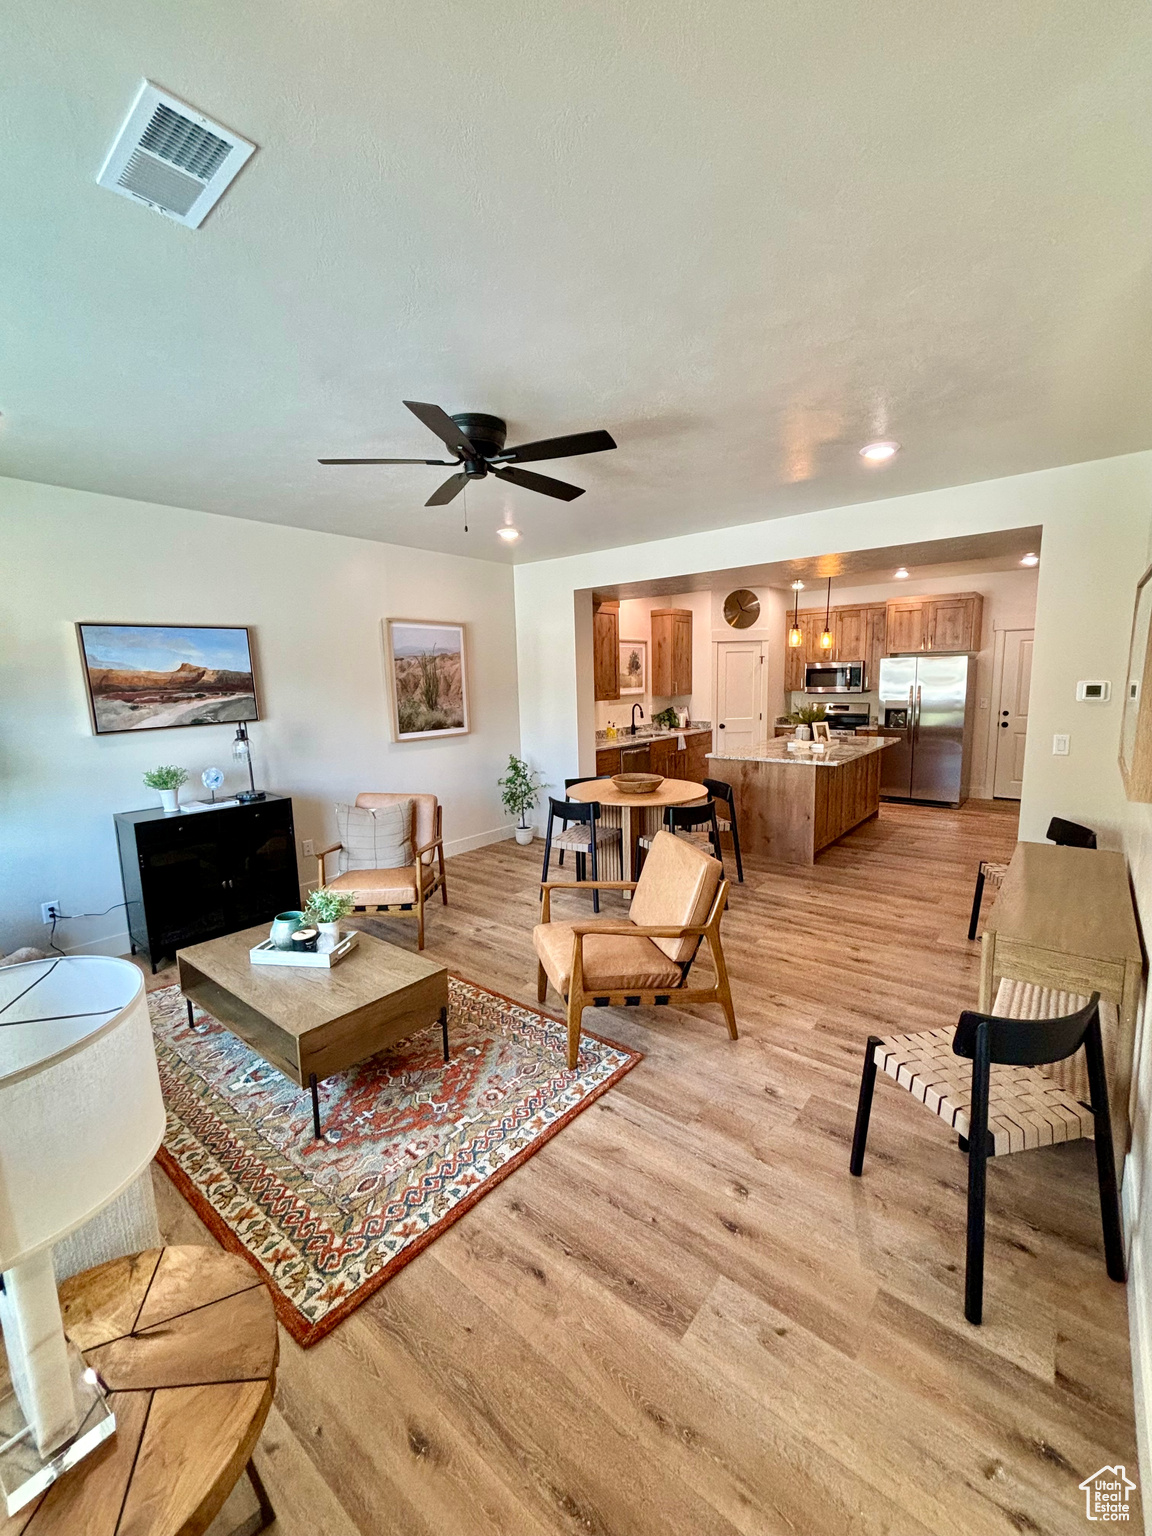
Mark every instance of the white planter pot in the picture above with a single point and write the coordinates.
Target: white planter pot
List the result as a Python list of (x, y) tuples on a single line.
[(329, 931), (524, 835), (170, 799)]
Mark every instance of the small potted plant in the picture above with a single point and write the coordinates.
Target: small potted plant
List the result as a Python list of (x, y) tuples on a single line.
[(168, 781), (520, 793), (325, 908), (803, 718)]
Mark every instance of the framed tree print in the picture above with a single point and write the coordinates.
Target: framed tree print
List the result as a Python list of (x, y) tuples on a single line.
[(427, 678)]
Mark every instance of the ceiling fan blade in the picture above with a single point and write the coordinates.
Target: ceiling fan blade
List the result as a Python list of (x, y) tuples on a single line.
[(542, 483), (559, 447), (445, 428), (386, 461), (444, 494)]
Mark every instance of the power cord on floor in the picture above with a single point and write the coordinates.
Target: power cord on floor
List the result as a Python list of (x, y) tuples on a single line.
[(70, 917)]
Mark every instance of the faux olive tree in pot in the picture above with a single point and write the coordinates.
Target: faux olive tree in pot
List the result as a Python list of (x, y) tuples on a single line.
[(520, 793)]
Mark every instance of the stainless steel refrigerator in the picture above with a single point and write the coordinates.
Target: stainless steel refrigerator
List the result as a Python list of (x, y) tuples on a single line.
[(926, 702)]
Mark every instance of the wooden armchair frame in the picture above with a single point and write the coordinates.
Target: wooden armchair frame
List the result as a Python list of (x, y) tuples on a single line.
[(579, 998), (408, 908)]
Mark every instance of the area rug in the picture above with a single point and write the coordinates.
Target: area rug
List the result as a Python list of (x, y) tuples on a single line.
[(409, 1144)]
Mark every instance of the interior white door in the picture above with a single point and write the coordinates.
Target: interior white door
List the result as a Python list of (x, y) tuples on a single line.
[(739, 705), (1012, 715)]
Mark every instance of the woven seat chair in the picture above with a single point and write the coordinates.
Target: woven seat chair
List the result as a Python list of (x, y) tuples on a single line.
[(585, 837), (696, 824), (727, 817), (1003, 1104), (1065, 834), (400, 891)]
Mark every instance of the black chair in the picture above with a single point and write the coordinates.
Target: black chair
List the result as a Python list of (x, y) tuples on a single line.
[(689, 819), (568, 783), (1065, 834), (1069, 834), (1026, 1110), (721, 791), (583, 837)]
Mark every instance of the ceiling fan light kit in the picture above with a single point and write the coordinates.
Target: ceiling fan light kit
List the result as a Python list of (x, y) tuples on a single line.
[(478, 440)]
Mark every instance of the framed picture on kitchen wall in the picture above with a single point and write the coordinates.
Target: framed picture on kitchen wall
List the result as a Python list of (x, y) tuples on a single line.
[(150, 677), (633, 666), (427, 678)]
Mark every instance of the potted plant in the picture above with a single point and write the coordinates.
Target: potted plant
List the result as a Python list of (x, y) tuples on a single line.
[(325, 908), (520, 793), (168, 781), (803, 717)]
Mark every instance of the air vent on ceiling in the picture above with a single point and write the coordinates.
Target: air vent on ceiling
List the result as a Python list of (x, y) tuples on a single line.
[(172, 158)]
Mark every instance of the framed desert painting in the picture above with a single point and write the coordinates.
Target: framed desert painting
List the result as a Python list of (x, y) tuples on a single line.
[(150, 677), (426, 678), (633, 666)]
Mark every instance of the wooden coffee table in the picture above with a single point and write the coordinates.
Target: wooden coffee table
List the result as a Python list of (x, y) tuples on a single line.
[(313, 1023)]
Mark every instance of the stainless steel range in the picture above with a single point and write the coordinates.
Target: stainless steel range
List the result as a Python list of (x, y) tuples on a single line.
[(845, 719)]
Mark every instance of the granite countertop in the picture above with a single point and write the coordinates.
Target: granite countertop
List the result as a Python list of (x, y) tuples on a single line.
[(624, 737), (776, 751)]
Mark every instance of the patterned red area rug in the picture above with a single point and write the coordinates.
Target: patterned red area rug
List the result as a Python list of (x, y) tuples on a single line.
[(410, 1143)]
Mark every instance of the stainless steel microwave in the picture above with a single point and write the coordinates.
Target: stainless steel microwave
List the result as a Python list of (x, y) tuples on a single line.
[(834, 677)]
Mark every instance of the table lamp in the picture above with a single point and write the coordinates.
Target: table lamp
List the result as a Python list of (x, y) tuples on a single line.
[(81, 1118)]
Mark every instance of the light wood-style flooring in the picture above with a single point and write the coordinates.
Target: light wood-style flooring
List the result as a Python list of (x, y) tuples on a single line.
[(683, 1315)]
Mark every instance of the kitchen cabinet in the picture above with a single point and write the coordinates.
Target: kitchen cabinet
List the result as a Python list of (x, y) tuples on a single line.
[(849, 633), (954, 622), (796, 657), (606, 650), (665, 757), (699, 746), (671, 652), (877, 629), (950, 622), (607, 762), (905, 625), (198, 874)]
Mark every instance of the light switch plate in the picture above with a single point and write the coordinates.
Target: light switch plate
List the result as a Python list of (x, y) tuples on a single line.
[(1060, 746)]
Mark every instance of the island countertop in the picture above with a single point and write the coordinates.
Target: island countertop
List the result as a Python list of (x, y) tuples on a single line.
[(835, 754)]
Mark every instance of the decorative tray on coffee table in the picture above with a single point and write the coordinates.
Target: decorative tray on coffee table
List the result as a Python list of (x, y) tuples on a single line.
[(319, 958)]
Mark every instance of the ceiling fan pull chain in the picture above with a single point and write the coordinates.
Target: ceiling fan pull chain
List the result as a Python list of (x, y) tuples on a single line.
[(465, 509)]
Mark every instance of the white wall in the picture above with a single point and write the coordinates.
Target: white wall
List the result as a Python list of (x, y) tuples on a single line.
[(1009, 603), (1094, 518), (315, 602)]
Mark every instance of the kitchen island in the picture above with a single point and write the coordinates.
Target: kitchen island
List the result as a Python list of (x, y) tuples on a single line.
[(791, 805)]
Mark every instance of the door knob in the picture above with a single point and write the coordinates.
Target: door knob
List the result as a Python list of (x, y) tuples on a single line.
[(1003, 725)]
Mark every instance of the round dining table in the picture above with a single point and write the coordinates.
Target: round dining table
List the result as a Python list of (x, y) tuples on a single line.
[(634, 813)]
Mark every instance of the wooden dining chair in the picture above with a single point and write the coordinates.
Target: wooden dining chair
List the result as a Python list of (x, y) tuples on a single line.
[(586, 836), (727, 817), (1004, 1104)]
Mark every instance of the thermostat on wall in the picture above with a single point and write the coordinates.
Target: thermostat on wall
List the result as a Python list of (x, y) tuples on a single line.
[(1093, 693)]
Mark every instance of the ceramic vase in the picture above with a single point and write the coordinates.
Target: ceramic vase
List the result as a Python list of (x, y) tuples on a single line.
[(329, 935), (170, 800), (284, 925)]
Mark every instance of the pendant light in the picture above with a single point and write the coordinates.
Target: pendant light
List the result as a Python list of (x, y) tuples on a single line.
[(795, 635), (826, 637)]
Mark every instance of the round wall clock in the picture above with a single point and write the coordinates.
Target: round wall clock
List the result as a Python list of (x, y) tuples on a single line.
[(742, 608)]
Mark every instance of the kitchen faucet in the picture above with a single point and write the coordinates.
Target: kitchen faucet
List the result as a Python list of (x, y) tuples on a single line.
[(636, 707)]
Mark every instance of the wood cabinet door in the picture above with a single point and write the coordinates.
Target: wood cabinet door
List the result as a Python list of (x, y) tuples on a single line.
[(682, 653), (660, 682), (660, 753), (850, 634), (696, 766), (607, 762), (905, 625), (793, 666), (954, 622), (877, 628), (606, 652)]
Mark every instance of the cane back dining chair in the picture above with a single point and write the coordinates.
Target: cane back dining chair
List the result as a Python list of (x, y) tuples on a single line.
[(405, 890), (645, 957), (1004, 1104)]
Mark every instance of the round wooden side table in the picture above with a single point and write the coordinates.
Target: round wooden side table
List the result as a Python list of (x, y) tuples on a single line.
[(185, 1342)]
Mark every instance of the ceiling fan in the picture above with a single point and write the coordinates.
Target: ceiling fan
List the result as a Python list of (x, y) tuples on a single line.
[(478, 443)]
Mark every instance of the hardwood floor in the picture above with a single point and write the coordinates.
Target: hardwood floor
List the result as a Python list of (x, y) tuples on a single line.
[(683, 1315)]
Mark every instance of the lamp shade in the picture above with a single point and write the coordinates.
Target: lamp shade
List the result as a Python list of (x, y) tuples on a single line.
[(81, 1115)]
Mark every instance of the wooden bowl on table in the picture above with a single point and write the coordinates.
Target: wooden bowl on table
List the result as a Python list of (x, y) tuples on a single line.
[(637, 783)]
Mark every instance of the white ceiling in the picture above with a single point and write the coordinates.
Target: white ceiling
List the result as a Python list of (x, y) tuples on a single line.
[(744, 237)]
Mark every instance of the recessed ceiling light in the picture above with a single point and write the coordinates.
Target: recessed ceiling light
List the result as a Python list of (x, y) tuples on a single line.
[(797, 586), (1030, 559), (509, 535), (901, 574), (879, 453)]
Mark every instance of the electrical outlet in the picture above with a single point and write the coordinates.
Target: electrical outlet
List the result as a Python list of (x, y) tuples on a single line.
[(48, 911), (1060, 746), (307, 848)]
